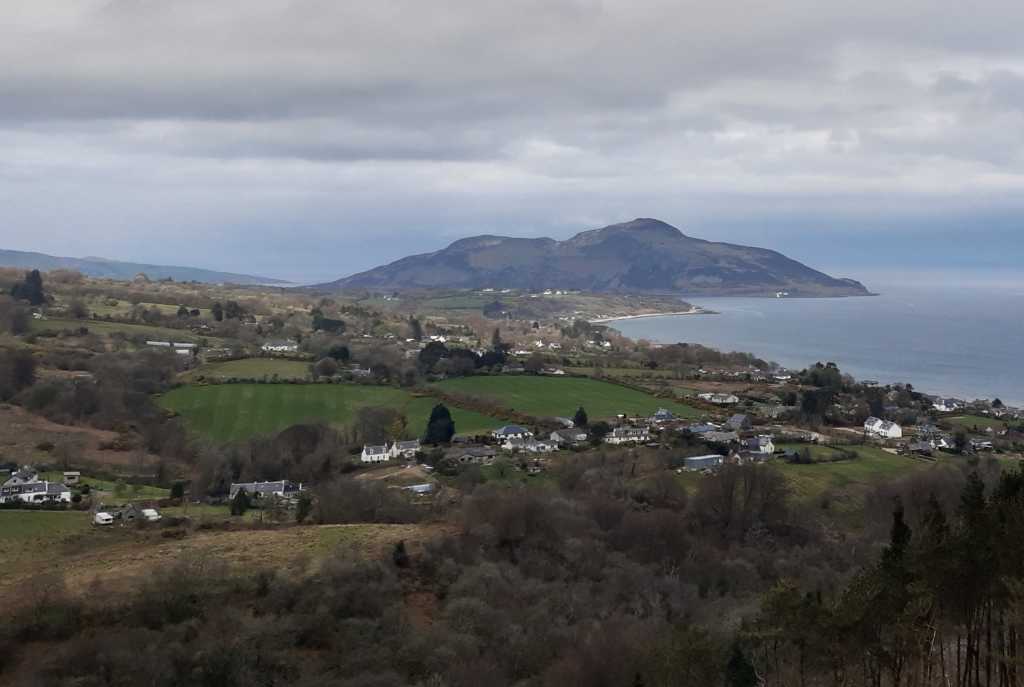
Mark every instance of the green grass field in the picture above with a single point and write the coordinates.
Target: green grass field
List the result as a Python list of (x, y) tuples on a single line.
[(228, 412), (253, 368), (107, 328), (24, 533), (969, 422), (554, 396), (872, 466), (131, 491)]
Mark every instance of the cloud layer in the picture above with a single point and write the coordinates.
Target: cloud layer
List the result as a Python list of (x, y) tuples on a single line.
[(311, 138)]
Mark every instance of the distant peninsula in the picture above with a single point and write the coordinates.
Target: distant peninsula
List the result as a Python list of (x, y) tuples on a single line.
[(114, 269), (644, 256)]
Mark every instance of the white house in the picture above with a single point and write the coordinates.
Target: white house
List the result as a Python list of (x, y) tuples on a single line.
[(628, 435), (281, 489), (882, 429), (760, 444), (511, 432), (375, 454), (279, 347), (947, 405), (404, 449), (720, 399), (529, 445), (35, 493)]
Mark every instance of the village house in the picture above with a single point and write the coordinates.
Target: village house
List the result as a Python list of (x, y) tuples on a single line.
[(700, 428), (283, 489), (479, 455), (739, 423), (279, 346), (760, 444), (24, 475), (528, 445), (72, 477), (404, 449), (375, 454), (719, 399), (883, 429), (706, 462), (568, 437), (511, 432), (628, 435), (947, 405), (718, 437), (24, 486), (662, 415)]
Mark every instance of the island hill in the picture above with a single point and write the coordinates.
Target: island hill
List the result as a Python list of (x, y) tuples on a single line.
[(644, 256)]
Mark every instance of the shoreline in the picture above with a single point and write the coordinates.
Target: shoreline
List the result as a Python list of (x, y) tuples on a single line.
[(691, 311)]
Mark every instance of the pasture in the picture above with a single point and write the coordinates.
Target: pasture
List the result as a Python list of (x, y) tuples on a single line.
[(252, 368), (977, 423), (231, 412), (561, 396), (103, 328)]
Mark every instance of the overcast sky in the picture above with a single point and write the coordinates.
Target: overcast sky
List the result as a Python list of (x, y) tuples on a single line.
[(312, 138)]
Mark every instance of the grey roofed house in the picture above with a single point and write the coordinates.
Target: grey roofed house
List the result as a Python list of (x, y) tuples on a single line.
[(23, 475), (663, 415), (720, 437), (710, 460), (475, 454), (739, 422), (921, 447), (283, 488), (568, 436), (701, 428), (511, 431), (420, 489)]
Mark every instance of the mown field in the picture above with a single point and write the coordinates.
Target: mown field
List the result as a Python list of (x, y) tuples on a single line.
[(969, 422), (252, 368), (229, 412), (560, 397)]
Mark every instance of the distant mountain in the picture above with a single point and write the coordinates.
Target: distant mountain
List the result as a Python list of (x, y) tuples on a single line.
[(642, 256), (113, 269)]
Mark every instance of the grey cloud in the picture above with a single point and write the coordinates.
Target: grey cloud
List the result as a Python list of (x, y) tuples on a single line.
[(124, 120)]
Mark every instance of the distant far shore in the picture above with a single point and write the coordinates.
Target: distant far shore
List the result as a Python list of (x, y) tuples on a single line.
[(691, 311)]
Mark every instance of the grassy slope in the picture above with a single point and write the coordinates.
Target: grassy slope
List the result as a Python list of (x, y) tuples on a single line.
[(108, 328), (553, 396), (237, 411)]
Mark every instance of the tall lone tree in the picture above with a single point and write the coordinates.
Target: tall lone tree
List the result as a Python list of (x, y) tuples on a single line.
[(31, 289), (440, 427), (580, 419), (218, 311)]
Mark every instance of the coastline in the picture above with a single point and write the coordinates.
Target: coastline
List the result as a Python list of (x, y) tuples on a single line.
[(691, 311)]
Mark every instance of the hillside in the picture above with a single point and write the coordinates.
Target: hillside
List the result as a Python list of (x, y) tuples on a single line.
[(115, 269), (642, 256)]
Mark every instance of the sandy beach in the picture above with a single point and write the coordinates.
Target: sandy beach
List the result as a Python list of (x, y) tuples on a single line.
[(691, 311)]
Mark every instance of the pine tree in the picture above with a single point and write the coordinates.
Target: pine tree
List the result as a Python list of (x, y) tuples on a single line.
[(440, 427), (739, 671), (580, 419)]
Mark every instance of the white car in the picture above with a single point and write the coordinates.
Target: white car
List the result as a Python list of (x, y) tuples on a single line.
[(102, 519), (151, 515)]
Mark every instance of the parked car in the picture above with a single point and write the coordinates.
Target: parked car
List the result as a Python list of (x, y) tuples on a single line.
[(151, 514), (102, 519)]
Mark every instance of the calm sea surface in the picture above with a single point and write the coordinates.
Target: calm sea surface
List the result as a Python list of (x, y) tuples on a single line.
[(966, 342)]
